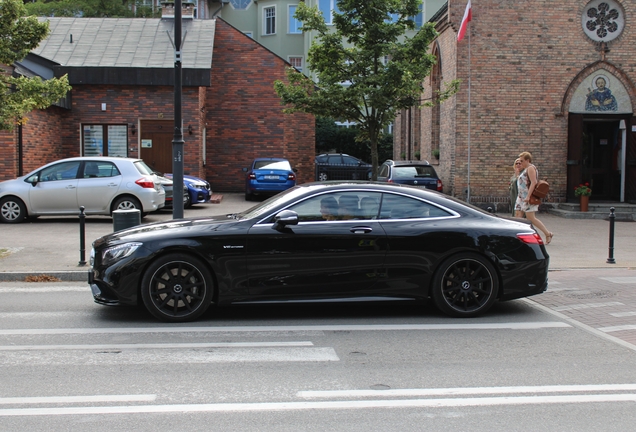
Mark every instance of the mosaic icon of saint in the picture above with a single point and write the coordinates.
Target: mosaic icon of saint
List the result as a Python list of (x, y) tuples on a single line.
[(601, 98)]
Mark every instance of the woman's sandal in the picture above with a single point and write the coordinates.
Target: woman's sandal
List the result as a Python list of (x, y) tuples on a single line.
[(548, 238)]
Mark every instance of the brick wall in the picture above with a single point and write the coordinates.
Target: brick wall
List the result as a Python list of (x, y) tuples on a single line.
[(244, 116)]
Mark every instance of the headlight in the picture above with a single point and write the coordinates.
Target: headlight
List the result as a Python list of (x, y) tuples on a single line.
[(92, 258), (116, 253)]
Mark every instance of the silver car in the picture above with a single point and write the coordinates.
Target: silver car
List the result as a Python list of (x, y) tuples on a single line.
[(100, 184)]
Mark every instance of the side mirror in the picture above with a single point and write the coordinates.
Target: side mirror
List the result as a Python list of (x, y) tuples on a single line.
[(284, 218), (33, 180)]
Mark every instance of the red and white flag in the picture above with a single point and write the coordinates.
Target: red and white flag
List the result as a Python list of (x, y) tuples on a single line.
[(468, 15)]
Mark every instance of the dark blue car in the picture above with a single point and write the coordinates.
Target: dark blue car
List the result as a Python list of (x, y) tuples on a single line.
[(268, 176), (198, 190)]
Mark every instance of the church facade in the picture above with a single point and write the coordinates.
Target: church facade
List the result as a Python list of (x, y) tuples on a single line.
[(556, 79)]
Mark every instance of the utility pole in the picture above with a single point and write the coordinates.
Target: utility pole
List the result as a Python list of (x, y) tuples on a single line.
[(177, 141)]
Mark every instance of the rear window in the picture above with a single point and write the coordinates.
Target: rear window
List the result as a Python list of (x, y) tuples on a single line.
[(142, 167), (272, 165), (414, 171)]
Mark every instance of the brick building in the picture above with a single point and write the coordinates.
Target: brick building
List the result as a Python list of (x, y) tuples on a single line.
[(553, 78), (122, 100)]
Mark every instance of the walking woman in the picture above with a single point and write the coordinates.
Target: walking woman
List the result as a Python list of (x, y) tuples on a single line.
[(514, 190), (526, 183)]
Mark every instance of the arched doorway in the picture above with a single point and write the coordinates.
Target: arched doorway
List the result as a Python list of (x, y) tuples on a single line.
[(600, 105)]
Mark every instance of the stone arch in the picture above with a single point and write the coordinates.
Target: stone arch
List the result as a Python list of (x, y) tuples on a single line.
[(590, 70)]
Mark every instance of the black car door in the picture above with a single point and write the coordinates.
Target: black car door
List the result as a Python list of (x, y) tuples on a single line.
[(324, 255)]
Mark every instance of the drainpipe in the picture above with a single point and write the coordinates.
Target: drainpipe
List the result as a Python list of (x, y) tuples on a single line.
[(20, 152)]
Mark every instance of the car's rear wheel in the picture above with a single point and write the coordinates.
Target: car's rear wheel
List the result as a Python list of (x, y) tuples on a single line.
[(323, 176), (127, 203), (188, 200), (465, 285), (12, 210), (177, 288)]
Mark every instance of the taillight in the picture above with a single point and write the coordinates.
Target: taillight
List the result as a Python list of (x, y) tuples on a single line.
[(291, 177), (252, 176), (390, 181), (439, 185), (146, 183), (528, 238)]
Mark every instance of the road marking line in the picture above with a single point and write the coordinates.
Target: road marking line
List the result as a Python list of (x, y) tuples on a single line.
[(622, 314), (618, 328), (114, 357), (77, 399), (297, 406), (383, 327), (620, 280), (587, 306), (463, 391), (44, 315), (155, 346), (49, 289)]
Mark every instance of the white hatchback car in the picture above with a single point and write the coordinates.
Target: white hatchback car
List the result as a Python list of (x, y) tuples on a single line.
[(100, 184)]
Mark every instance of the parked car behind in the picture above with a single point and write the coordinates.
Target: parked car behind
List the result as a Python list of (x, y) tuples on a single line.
[(340, 166), (268, 176), (414, 173), (100, 184), (199, 190)]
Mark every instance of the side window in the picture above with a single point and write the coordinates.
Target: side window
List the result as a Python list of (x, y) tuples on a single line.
[(384, 171), (335, 160), (350, 160), (339, 206), (61, 171), (401, 207), (269, 15), (100, 169)]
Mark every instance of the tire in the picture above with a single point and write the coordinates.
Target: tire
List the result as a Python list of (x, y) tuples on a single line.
[(248, 196), (188, 201), (12, 210), (323, 176), (465, 285), (126, 203), (177, 288)]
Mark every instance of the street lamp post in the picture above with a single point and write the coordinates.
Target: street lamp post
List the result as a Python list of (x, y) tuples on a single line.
[(177, 141)]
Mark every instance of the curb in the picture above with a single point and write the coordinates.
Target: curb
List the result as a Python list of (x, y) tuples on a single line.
[(64, 276)]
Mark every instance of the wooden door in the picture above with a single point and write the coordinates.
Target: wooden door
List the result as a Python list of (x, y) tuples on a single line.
[(156, 144)]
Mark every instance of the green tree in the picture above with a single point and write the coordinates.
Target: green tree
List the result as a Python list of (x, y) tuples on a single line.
[(21, 95), (367, 69)]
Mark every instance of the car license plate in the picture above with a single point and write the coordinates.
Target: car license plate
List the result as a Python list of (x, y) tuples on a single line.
[(271, 177)]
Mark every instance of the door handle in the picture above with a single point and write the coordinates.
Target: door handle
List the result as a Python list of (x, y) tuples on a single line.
[(70, 187), (361, 230), (112, 184)]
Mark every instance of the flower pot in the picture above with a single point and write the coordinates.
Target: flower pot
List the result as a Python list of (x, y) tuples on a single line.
[(585, 200)]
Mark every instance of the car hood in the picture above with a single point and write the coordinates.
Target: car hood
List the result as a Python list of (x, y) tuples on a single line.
[(173, 228)]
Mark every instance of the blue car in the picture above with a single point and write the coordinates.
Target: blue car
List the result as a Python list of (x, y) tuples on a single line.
[(268, 176), (198, 190)]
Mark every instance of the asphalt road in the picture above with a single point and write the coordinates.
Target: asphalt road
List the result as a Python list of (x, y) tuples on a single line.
[(69, 364)]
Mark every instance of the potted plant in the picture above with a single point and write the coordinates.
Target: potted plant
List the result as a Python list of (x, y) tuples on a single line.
[(435, 153), (583, 191), (417, 155)]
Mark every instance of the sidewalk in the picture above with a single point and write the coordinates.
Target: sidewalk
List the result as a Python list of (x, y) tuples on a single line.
[(51, 246)]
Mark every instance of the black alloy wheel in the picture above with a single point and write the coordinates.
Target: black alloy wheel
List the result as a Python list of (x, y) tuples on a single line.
[(465, 285), (177, 288), (12, 210)]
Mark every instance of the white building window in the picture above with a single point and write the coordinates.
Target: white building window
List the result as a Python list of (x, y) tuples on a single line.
[(294, 24), (297, 62), (269, 15), (328, 7)]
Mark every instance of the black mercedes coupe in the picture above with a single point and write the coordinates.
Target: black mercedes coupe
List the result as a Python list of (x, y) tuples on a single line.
[(323, 242)]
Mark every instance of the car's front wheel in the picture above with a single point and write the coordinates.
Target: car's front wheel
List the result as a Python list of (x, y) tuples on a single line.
[(177, 288), (465, 285), (12, 210)]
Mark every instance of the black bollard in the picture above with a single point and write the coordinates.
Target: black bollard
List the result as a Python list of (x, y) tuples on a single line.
[(612, 218), (82, 218)]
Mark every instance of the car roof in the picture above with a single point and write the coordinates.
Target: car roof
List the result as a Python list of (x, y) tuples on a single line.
[(92, 158), (408, 162), (269, 159)]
